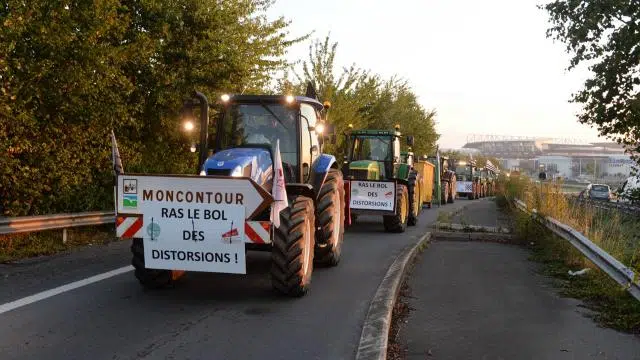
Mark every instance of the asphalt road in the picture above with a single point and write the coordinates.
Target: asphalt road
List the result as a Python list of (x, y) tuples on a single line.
[(475, 300), (212, 316)]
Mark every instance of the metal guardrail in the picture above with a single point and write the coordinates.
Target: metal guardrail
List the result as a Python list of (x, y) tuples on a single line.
[(26, 224), (607, 263)]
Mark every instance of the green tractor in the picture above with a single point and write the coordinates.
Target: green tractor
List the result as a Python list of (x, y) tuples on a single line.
[(377, 181)]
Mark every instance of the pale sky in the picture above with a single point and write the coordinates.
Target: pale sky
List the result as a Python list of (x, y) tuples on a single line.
[(486, 67)]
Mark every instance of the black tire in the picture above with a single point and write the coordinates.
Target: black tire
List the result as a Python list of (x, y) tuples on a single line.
[(445, 193), (330, 215), (148, 278), (451, 197), (397, 223), (414, 203), (292, 252)]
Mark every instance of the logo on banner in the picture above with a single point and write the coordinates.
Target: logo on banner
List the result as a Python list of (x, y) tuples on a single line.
[(153, 230), (389, 195), (130, 193), (230, 235)]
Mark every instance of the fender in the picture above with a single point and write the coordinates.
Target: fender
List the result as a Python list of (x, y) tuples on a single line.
[(403, 171), (319, 170), (300, 189), (404, 182)]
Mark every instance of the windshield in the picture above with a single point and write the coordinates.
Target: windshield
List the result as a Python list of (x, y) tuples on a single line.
[(256, 123), (463, 173), (372, 148), (600, 188)]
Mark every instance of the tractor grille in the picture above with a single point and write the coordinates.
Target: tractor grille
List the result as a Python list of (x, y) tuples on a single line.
[(221, 172), (359, 174)]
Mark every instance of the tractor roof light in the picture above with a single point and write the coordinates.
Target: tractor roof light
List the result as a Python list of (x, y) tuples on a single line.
[(462, 163), (188, 125), (225, 98), (289, 99), (319, 128)]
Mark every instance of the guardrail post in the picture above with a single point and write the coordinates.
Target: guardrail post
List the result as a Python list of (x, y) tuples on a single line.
[(64, 235)]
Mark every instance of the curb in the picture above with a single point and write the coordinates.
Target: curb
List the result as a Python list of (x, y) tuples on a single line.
[(375, 331)]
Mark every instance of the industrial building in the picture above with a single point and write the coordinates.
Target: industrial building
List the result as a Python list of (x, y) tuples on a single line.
[(566, 158)]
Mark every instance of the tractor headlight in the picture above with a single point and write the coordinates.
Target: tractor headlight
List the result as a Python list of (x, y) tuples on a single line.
[(237, 171), (203, 173)]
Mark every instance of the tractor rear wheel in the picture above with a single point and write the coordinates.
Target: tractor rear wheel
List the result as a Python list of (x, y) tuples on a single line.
[(445, 193), (414, 199), (452, 196), (398, 222), (330, 215), (292, 252), (149, 278)]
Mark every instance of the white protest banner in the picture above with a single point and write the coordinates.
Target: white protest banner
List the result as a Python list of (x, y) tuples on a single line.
[(373, 195), (137, 189), (192, 223), (195, 238)]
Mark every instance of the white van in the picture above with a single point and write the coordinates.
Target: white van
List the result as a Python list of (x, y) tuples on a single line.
[(628, 186)]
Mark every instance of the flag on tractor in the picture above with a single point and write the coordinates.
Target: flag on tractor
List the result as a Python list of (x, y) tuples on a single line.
[(279, 192), (115, 156)]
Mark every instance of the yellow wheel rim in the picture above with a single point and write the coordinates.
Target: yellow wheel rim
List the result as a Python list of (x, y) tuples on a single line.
[(404, 211)]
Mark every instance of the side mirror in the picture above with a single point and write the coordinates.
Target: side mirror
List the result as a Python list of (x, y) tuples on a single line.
[(410, 140)]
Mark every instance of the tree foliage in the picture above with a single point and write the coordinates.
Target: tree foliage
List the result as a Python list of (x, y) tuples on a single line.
[(72, 71), (605, 34), (363, 99)]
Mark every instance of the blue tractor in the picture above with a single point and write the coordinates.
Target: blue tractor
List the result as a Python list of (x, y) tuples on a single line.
[(312, 226)]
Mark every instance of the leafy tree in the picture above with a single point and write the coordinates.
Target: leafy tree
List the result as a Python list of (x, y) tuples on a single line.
[(363, 99), (604, 34), (73, 71)]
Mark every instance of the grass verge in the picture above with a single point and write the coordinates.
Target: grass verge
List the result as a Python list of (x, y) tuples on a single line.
[(612, 306), (22, 246)]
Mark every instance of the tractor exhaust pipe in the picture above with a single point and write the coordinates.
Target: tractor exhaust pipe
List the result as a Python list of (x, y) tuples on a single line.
[(204, 127)]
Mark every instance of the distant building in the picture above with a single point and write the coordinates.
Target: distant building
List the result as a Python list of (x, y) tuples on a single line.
[(568, 158)]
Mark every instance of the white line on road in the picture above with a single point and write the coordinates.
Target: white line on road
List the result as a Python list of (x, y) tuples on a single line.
[(61, 289)]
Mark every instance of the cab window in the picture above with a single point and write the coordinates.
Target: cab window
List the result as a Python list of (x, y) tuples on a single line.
[(309, 138)]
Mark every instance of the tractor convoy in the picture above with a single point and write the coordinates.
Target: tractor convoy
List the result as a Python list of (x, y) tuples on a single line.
[(264, 183)]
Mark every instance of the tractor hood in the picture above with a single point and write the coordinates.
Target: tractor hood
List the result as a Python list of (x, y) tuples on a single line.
[(241, 162), (365, 169)]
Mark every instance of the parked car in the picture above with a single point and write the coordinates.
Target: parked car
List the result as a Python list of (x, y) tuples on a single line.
[(598, 192)]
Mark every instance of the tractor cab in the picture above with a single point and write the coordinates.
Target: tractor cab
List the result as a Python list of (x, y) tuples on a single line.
[(374, 154), (465, 170), (250, 126)]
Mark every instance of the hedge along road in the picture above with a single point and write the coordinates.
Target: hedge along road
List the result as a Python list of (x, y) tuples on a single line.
[(213, 316)]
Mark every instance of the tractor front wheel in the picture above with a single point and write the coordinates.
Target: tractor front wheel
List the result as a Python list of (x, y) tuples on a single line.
[(292, 252), (148, 278), (330, 215), (398, 222)]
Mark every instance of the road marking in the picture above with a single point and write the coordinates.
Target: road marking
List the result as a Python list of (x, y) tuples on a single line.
[(62, 289)]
